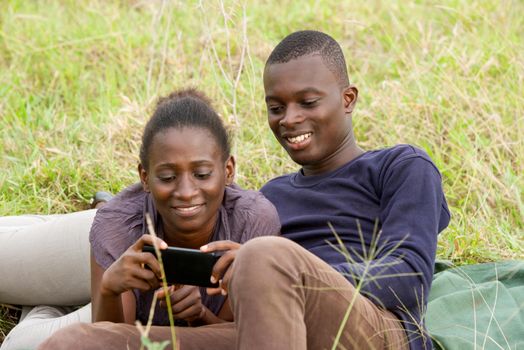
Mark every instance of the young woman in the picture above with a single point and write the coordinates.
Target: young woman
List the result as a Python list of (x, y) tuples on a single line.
[(186, 174)]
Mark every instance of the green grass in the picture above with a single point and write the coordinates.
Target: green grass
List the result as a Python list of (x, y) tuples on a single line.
[(78, 80), (8, 317)]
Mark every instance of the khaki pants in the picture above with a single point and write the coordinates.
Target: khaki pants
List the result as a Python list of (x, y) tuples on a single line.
[(44, 261), (283, 297)]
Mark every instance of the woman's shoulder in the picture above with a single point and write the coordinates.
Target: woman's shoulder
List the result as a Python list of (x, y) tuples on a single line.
[(237, 198), (118, 224), (128, 202), (129, 199), (249, 213)]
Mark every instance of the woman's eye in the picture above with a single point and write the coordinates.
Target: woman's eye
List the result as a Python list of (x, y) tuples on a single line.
[(202, 176)]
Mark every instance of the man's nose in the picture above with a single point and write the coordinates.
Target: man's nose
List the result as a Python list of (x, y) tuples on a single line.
[(293, 115)]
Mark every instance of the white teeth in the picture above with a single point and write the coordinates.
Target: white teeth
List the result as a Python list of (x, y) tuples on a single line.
[(299, 138)]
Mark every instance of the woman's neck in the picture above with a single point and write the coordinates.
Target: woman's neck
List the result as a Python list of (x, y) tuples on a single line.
[(193, 240)]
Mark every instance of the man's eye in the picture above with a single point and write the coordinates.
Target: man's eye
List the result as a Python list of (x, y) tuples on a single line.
[(275, 109), (309, 103), (167, 178)]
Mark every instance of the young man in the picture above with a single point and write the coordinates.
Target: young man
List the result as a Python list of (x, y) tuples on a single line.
[(386, 206), (355, 266)]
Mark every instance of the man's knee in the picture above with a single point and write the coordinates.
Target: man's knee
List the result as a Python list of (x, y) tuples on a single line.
[(265, 248), (259, 261)]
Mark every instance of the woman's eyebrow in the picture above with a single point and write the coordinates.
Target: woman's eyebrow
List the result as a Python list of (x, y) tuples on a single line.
[(195, 162), (202, 162)]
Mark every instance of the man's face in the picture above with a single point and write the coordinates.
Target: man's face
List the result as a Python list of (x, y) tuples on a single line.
[(308, 111)]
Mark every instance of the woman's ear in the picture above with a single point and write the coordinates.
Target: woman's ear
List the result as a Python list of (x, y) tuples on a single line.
[(230, 170), (143, 177), (350, 98)]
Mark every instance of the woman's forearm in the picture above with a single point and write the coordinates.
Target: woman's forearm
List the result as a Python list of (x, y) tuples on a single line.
[(108, 307), (108, 304)]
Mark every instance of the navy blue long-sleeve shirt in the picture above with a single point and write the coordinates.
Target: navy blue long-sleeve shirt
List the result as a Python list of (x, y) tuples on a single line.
[(387, 207)]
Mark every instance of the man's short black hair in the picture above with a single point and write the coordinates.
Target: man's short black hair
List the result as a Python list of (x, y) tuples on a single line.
[(310, 42)]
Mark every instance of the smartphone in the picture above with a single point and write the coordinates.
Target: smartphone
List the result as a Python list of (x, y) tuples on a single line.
[(187, 266)]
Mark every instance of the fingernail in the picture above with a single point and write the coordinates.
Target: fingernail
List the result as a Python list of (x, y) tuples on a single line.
[(213, 279), (204, 248)]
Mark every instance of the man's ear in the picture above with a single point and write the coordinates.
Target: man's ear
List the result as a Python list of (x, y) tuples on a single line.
[(143, 177), (230, 170), (350, 98)]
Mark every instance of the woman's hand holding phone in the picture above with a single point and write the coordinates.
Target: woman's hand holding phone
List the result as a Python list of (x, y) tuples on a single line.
[(186, 302), (128, 271), (222, 271)]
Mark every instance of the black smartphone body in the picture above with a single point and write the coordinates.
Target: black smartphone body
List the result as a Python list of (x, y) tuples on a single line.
[(187, 266)]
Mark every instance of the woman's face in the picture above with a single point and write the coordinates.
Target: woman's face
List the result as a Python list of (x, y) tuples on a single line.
[(186, 177)]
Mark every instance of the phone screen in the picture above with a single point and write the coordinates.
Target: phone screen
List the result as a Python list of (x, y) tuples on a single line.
[(187, 266)]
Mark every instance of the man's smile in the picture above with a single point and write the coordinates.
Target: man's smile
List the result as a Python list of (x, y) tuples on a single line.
[(298, 138), (297, 142)]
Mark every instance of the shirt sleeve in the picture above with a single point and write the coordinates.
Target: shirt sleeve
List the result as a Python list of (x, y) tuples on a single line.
[(116, 226), (413, 210), (261, 219), (100, 238)]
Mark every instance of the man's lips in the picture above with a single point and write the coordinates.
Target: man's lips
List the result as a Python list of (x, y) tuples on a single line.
[(297, 141), (298, 138)]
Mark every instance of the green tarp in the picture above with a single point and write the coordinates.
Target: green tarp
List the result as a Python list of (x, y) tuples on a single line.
[(477, 307)]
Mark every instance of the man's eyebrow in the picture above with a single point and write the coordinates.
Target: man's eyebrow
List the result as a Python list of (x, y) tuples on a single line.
[(307, 90), (270, 98), (297, 93)]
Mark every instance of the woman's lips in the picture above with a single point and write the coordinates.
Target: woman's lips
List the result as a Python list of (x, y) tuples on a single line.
[(188, 211)]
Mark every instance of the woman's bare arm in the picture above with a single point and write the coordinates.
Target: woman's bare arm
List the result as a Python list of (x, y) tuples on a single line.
[(115, 308)]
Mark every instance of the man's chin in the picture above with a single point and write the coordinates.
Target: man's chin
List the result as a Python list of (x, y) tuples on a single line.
[(301, 158)]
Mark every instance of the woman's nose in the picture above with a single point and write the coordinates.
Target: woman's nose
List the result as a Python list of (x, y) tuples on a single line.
[(185, 188)]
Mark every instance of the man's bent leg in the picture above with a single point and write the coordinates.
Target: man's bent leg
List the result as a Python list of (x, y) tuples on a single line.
[(284, 297), (117, 336)]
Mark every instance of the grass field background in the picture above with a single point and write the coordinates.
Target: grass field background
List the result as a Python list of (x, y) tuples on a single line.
[(78, 80)]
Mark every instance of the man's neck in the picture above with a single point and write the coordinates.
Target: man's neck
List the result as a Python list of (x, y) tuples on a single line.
[(348, 151)]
